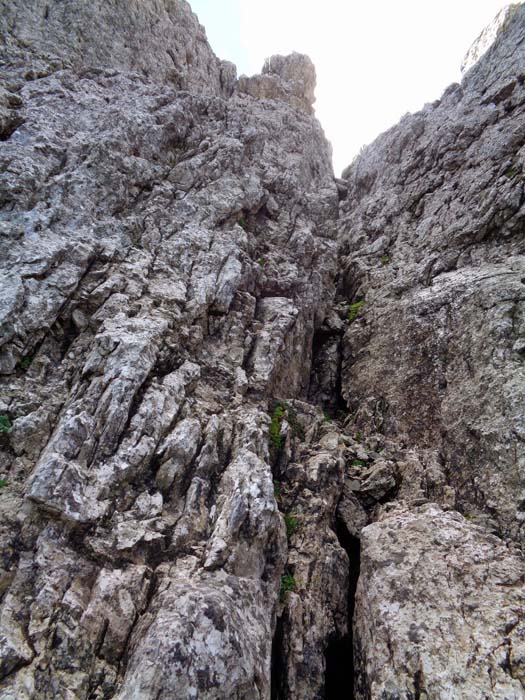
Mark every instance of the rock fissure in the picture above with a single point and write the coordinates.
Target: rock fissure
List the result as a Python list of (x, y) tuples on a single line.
[(339, 654)]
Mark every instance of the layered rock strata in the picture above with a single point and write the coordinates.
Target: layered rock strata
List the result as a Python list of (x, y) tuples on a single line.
[(168, 255)]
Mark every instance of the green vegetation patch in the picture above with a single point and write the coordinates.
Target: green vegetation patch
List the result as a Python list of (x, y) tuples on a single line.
[(277, 416), (279, 411), (25, 362), (291, 523), (287, 584), (353, 310), (5, 424), (512, 172), (358, 462)]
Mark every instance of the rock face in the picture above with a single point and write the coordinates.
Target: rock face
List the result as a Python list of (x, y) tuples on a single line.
[(434, 263), (160, 40), (223, 372), (431, 581), (434, 246)]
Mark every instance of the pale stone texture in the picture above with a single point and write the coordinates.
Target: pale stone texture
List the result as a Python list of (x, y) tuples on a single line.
[(169, 249), (178, 516), (439, 609), (434, 245)]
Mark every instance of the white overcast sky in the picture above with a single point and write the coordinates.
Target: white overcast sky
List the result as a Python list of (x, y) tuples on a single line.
[(375, 60)]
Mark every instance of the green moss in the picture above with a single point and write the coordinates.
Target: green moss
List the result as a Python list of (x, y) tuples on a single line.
[(327, 417), (358, 462), (277, 489), (385, 259), (291, 524), (511, 172), (25, 362), (3, 482), (262, 262), (280, 411), (242, 222), (277, 415), (5, 424), (287, 585), (353, 310)]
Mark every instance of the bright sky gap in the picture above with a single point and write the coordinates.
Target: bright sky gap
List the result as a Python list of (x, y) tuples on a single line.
[(375, 61)]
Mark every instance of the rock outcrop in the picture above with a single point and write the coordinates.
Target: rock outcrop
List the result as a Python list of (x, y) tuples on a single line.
[(434, 247), (434, 263), (224, 372)]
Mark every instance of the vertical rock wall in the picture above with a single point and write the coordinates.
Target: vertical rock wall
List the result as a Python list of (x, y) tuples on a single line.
[(433, 251), (168, 248)]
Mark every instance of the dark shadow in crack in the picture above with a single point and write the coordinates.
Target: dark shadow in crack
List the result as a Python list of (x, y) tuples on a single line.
[(339, 656)]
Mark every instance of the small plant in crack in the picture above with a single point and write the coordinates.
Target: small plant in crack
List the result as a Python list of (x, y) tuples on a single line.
[(3, 483), (291, 523), (279, 411), (25, 362), (385, 259), (242, 222), (277, 415), (5, 424), (277, 490), (287, 585), (511, 172), (353, 310), (262, 262), (357, 463)]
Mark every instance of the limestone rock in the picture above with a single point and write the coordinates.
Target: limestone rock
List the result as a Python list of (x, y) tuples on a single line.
[(286, 78), (433, 246), (221, 369), (438, 609), (165, 272), (160, 41)]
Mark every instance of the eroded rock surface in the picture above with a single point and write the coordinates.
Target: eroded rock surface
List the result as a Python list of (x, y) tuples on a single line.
[(434, 245), (434, 270), (222, 370), (439, 609), (168, 250)]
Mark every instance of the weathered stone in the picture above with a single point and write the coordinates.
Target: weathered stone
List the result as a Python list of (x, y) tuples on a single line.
[(195, 428), (432, 241), (438, 609), (166, 270)]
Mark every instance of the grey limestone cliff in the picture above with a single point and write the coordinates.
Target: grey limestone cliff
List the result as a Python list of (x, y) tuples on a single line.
[(261, 429)]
